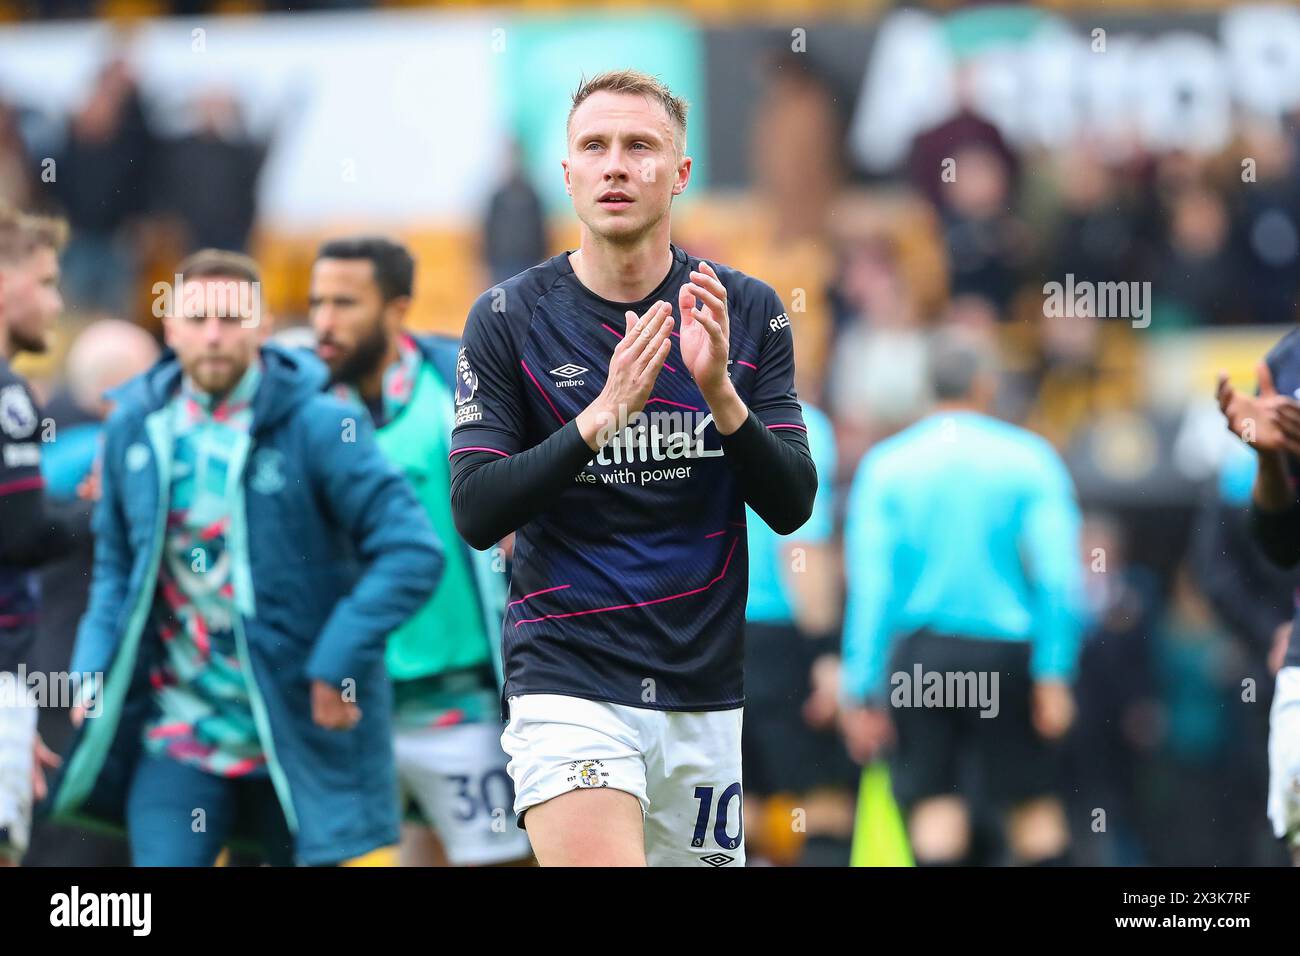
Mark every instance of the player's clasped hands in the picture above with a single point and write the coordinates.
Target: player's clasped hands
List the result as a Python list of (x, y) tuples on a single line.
[(633, 369), (1268, 421)]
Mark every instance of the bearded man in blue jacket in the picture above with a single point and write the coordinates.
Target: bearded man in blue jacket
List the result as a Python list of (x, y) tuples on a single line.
[(253, 552)]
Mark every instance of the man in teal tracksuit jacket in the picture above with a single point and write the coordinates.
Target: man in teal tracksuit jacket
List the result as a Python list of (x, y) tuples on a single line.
[(445, 662), (329, 552)]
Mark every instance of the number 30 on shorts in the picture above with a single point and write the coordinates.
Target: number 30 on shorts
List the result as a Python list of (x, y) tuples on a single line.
[(725, 840)]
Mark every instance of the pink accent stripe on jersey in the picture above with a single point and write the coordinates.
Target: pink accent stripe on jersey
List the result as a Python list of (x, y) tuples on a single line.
[(620, 607), (716, 533), (543, 391), (495, 451), (750, 364), (667, 402), (22, 484), (666, 365), (558, 587), (800, 427)]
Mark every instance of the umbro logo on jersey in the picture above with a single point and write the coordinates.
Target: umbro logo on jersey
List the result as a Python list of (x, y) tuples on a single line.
[(717, 859), (568, 371)]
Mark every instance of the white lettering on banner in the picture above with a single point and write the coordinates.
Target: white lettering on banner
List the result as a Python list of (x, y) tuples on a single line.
[(1175, 88)]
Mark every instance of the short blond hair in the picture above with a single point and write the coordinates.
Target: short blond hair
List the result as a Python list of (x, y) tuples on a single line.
[(21, 234), (635, 83)]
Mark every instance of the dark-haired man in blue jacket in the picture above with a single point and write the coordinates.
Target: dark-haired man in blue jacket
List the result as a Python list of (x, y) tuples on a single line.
[(445, 661)]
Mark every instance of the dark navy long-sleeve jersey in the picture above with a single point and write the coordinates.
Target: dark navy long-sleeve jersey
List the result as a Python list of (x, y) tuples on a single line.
[(629, 582), (29, 535), (1280, 534)]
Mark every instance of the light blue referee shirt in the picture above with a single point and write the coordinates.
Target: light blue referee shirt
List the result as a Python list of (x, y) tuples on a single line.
[(967, 526), (769, 593)]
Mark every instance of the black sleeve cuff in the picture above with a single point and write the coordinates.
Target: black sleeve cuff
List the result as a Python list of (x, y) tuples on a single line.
[(775, 470)]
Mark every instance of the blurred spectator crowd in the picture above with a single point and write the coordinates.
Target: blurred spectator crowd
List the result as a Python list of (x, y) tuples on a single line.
[(1184, 614), (131, 194)]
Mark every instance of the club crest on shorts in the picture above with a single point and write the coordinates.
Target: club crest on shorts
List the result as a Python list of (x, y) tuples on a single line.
[(587, 773)]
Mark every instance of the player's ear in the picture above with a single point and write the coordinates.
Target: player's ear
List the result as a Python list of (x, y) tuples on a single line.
[(683, 176), (568, 186)]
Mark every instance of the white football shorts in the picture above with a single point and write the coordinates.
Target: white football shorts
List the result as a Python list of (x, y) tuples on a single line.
[(17, 737), (683, 767), (457, 776), (1284, 756)]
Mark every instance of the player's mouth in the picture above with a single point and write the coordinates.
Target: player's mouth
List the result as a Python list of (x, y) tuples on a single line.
[(614, 199)]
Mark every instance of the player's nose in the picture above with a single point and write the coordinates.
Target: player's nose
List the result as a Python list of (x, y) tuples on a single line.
[(616, 164)]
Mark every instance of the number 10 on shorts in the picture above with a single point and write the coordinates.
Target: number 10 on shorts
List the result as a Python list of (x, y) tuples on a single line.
[(705, 796)]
